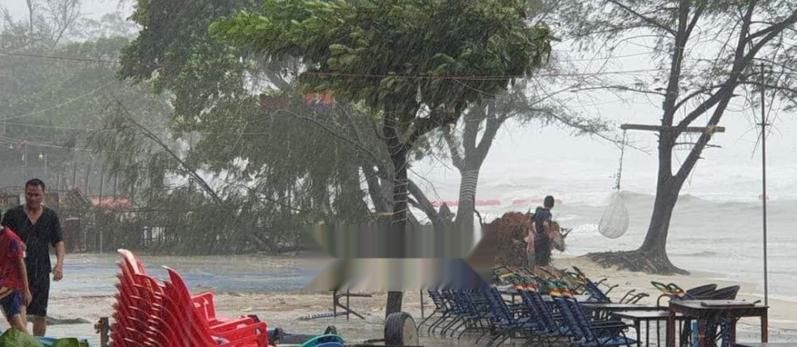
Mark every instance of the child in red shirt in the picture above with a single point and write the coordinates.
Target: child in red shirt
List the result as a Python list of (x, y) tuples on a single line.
[(14, 291)]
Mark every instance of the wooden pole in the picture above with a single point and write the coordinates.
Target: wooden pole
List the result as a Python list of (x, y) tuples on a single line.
[(115, 184), (88, 173), (764, 181), (99, 203), (645, 127), (74, 174)]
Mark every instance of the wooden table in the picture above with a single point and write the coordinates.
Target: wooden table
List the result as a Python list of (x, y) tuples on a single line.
[(645, 316), (601, 310), (701, 310), (612, 307)]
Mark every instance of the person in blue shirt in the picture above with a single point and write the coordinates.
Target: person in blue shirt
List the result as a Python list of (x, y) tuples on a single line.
[(542, 228)]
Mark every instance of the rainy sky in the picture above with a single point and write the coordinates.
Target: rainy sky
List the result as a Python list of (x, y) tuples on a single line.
[(524, 153)]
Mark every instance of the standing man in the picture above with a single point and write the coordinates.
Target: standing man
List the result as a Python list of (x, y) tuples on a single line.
[(542, 226), (39, 228)]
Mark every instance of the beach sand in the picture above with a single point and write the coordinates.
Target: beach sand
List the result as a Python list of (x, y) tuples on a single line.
[(284, 310)]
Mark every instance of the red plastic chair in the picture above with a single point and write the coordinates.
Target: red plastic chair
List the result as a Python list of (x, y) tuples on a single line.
[(233, 333), (137, 304), (204, 301), (150, 313), (125, 321), (157, 331)]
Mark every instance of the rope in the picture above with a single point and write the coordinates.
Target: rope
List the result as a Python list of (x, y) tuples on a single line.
[(622, 155)]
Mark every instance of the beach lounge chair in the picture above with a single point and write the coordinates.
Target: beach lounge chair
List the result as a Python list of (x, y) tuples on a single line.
[(442, 308), (469, 311), (553, 329), (585, 332), (593, 289), (456, 309), (478, 316), (510, 321)]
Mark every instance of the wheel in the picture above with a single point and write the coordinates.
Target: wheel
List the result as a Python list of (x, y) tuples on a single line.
[(400, 330)]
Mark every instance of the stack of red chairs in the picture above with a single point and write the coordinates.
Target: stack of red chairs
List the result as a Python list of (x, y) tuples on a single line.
[(153, 314)]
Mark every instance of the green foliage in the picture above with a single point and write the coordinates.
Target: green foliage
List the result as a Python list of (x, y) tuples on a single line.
[(396, 55), (244, 125)]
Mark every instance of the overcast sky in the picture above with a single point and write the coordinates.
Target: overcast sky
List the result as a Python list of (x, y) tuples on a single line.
[(92, 8)]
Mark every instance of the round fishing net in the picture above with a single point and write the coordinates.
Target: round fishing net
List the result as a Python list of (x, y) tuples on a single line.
[(614, 222)]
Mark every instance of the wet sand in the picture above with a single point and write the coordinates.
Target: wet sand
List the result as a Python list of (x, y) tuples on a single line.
[(284, 309)]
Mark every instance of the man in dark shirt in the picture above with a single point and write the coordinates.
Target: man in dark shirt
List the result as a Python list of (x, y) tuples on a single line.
[(39, 228), (542, 224)]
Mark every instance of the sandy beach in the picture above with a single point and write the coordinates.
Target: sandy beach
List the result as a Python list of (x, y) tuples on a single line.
[(285, 309)]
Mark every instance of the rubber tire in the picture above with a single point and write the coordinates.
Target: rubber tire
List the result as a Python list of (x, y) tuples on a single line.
[(401, 330)]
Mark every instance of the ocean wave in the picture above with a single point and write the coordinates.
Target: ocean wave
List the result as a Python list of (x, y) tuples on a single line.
[(693, 254)]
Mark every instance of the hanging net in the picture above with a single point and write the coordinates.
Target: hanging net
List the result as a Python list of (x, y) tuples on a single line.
[(614, 222)]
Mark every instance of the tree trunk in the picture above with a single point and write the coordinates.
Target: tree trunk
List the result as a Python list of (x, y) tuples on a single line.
[(400, 204), (469, 165), (394, 302), (652, 256), (655, 244), (397, 232), (375, 189), (469, 179)]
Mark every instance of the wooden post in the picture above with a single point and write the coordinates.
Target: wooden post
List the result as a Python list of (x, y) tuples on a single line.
[(115, 184), (25, 160), (421, 292), (644, 127), (99, 203), (102, 327), (661, 128), (74, 174), (88, 174)]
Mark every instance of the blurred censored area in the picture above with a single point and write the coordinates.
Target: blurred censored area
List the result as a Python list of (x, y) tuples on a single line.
[(377, 257)]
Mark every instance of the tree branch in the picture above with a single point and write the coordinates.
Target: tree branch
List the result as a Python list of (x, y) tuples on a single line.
[(694, 94), (359, 137), (453, 148), (425, 125), (725, 94), (775, 27), (423, 202), (186, 168), (334, 133), (473, 121), (491, 127), (648, 20), (681, 37), (770, 86), (696, 17), (741, 61)]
